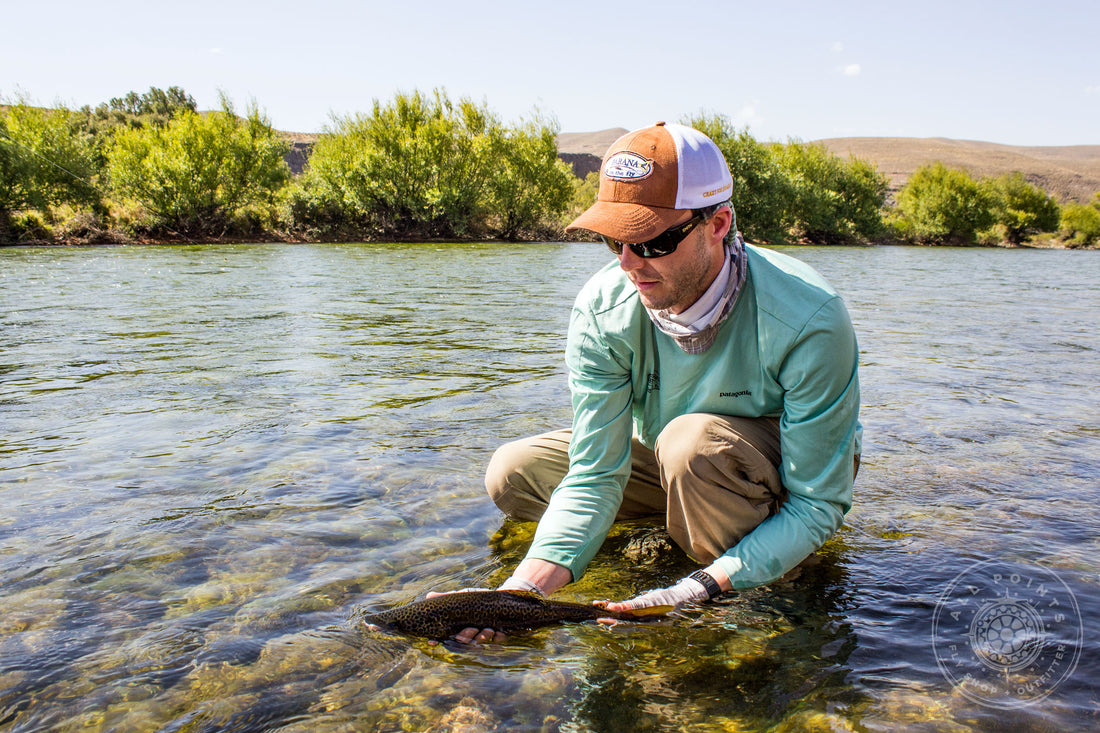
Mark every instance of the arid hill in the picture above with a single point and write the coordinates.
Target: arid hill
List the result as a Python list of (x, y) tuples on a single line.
[(593, 143), (1069, 173)]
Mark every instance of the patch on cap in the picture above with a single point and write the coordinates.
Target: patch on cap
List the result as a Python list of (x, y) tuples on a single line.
[(627, 166)]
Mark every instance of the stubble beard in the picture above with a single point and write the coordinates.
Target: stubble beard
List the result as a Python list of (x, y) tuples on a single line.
[(683, 286)]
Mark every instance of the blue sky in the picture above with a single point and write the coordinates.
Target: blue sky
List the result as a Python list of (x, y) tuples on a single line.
[(1022, 73)]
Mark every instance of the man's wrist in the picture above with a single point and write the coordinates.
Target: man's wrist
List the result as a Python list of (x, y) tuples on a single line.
[(548, 576), (514, 583), (708, 582)]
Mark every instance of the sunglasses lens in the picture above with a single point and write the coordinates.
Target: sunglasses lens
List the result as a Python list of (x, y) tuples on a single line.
[(663, 244)]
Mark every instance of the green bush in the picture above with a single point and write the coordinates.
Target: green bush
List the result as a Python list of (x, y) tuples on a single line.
[(425, 166), (1080, 223), (154, 108), (1021, 208), (410, 168), (531, 186), (833, 200), (153, 102), (200, 174), (44, 161), (28, 226), (944, 205)]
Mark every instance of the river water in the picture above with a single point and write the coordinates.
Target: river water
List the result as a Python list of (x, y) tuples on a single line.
[(214, 459)]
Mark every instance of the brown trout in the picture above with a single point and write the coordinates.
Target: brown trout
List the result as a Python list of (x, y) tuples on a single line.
[(444, 616)]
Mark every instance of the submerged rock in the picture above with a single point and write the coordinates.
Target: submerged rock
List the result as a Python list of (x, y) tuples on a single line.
[(469, 716), (647, 547)]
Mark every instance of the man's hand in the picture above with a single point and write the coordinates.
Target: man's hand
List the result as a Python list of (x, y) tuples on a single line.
[(470, 635), (688, 590), (538, 576)]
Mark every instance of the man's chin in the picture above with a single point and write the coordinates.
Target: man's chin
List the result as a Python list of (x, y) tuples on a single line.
[(650, 295)]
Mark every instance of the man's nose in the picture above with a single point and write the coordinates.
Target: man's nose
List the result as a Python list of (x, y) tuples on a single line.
[(628, 260)]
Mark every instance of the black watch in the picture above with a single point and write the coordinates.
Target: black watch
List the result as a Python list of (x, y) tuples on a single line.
[(713, 589)]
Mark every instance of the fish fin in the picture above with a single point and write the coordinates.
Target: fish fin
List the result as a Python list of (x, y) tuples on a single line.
[(523, 594), (638, 613), (647, 612)]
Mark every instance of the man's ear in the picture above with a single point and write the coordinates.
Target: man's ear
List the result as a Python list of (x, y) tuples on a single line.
[(722, 221)]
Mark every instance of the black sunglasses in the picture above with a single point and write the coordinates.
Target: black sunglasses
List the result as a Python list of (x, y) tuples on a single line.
[(664, 243)]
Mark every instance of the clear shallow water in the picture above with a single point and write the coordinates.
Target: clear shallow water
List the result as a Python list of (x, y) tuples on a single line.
[(213, 458)]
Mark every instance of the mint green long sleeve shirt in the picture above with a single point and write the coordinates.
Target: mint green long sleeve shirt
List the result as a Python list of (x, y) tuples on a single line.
[(787, 349)]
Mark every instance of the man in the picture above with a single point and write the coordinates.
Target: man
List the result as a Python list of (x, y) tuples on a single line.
[(713, 382)]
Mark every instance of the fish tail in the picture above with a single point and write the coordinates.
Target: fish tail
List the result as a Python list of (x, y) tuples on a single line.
[(647, 613)]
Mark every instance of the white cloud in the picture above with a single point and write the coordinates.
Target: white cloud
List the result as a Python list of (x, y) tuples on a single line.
[(837, 47), (748, 115), (852, 70), (1089, 91)]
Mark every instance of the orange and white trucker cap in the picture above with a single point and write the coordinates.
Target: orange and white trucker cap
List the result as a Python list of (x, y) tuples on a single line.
[(650, 177)]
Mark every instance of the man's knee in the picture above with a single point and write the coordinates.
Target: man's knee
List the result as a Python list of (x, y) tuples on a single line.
[(504, 471), (522, 474), (681, 443), (699, 443), (722, 478)]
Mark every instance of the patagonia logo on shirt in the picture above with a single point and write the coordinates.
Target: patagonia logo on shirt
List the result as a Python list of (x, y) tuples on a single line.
[(742, 393)]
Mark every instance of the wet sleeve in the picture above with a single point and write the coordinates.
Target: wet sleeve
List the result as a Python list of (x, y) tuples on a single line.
[(583, 507), (819, 431)]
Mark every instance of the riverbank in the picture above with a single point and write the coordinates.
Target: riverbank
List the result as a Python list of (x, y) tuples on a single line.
[(119, 239), (123, 241), (884, 191), (88, 177)]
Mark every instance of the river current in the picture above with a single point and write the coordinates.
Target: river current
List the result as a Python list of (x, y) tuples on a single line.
[(214, 459)]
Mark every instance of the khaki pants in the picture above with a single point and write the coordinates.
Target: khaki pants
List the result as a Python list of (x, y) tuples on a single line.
[(713, 478)]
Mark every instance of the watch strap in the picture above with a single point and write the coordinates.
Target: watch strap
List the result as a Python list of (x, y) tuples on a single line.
[(711, 585)]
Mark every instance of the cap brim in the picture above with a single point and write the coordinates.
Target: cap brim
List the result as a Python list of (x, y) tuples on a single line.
[(626, 222)]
